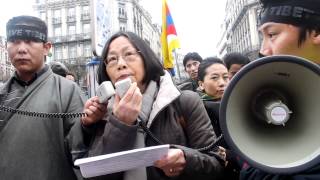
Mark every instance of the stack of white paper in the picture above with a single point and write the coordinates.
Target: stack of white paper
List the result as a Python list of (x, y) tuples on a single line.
[(121, 161)]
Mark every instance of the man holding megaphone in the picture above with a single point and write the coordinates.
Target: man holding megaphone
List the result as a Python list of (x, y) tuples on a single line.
[(289, 27)]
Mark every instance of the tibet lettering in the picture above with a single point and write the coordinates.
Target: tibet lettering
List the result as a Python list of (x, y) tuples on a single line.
[(294, 11), (26, 33)]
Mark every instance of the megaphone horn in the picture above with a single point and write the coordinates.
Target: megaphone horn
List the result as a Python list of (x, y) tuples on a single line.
[(270, 114)]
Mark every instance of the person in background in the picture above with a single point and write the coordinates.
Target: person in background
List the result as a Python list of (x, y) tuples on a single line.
[(70, 76), (153, 100), (191, 63), (213, 80), (295, 32), (234, 62), (59, 68), (36, 148)]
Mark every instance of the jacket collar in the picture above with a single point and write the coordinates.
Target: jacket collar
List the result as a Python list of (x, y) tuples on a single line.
[(167, 93), (35, 76), (5, 87)]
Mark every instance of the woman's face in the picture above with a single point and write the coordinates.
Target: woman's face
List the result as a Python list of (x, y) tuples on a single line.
[(123, 61), (215, 81)]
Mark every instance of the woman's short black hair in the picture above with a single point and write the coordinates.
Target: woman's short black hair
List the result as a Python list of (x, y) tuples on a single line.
[(207, 62), (152, 65), (235, 58)]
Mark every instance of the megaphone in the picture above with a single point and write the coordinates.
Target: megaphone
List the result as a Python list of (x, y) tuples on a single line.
[(270, 114)]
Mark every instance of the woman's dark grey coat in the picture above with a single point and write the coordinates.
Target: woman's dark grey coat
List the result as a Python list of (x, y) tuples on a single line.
[(169, 106)]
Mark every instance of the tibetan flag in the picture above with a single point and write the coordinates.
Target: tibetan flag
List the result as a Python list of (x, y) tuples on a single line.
[(169, 38)]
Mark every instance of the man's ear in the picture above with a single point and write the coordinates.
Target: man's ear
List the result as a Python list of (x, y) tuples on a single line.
[(315, 37), (47, 47)]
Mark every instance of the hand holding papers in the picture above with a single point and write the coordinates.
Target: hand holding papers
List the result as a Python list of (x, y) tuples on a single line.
[(121, 161)]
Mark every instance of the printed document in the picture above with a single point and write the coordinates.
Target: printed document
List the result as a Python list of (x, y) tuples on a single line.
[(121, 161)]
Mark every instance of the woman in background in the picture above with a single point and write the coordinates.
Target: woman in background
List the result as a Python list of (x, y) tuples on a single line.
[(213, 80)]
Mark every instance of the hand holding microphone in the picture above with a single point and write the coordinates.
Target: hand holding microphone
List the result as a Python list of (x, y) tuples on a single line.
[(128, 101), (94, 110)]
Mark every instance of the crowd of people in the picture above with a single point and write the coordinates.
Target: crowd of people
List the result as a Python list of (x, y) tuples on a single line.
[(185, 116)]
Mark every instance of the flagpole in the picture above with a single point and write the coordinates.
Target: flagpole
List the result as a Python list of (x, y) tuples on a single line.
[(177, 63), (169, 40)]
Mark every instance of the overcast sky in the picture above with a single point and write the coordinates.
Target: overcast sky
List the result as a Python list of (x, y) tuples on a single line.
[(10, 8), (197, 21)]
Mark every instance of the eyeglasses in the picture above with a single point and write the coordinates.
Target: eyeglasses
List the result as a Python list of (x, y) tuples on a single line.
[(128, 56)]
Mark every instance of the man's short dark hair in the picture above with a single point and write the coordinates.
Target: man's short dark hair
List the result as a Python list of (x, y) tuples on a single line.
[(191, 56), (235, 58), (304, 14), (59, 68)]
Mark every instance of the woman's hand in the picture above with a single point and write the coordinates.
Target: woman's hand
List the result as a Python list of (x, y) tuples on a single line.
[(173, 163), (128, 108), (94, 110)]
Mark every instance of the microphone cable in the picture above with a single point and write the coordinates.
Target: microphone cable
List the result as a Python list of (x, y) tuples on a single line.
[(41, 114), (212, 147)]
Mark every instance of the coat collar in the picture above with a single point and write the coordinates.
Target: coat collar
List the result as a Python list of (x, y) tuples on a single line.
[(168, 92), (5, 87)]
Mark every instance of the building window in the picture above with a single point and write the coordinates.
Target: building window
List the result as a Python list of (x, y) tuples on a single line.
[(57, 31), (122, 11), (56, 16), (72, 11), (72, 51), (87, 50), (85, 10), (71, 30), (85, 14), (86, 28), (122, 28), (71, 15), (43, 16), (58, 52), (57, 13)]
